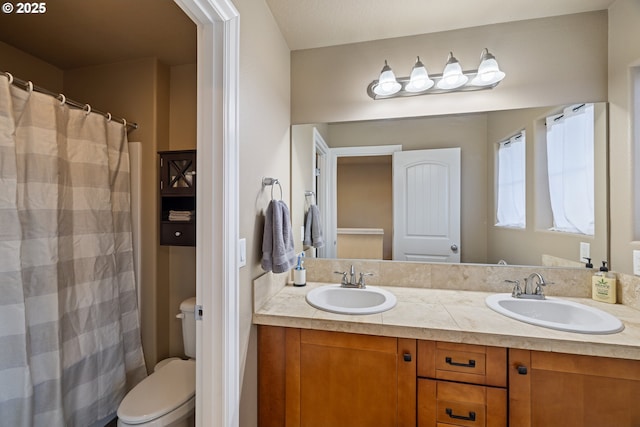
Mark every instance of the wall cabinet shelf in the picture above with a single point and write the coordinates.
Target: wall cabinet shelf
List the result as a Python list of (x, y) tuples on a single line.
[(177, 192)]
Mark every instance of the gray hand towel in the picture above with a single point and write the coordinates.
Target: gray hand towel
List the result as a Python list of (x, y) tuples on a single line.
[(278, 254), (313, 228)]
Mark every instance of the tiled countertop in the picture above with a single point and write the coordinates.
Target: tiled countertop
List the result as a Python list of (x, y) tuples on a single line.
[(453, 316)]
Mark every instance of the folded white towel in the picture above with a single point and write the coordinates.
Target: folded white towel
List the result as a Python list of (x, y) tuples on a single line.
[(278, 254), (313, 228), (181, 215)]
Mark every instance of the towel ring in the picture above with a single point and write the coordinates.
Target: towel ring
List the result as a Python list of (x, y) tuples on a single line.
[(272, 182), (279, 186), (311, 194)]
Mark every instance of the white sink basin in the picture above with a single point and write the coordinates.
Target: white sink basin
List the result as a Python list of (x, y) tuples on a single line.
[(556, 314), (337, 299)]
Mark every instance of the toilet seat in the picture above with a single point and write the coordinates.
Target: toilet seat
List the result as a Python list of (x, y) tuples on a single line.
[(160, 393)]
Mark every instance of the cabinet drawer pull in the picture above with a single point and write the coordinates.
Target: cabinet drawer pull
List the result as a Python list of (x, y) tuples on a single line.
[(471, 417), (471, 364), (407, 357), (177, 234)]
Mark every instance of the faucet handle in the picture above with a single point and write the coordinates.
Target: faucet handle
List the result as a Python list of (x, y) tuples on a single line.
[(517, 291), (361, 283), (345, 281), (538, 290)]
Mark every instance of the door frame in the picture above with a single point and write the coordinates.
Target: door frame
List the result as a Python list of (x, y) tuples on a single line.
[(330, 180), (320, 186), (217, 278)]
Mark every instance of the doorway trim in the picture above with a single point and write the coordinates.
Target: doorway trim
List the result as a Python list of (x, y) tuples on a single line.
[(331, 181), (320, 154), (217, 334)]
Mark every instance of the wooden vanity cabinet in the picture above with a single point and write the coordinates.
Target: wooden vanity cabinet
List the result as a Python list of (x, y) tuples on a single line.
[(461, 385), (310, 378), (567, 390)]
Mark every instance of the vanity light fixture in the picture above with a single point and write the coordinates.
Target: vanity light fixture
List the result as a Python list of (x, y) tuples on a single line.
[(387, 83), (452, 79)]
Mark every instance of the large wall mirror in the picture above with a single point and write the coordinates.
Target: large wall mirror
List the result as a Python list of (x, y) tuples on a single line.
[(346, 170)]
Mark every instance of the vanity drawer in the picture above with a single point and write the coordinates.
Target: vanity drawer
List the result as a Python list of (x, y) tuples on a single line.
[(467, 363), (443, 403)]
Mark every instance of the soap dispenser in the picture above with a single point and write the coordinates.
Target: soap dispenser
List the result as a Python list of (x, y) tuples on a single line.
[(604, 285)]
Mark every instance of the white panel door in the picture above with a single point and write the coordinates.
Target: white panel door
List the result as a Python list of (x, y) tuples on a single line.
[(426, 205)]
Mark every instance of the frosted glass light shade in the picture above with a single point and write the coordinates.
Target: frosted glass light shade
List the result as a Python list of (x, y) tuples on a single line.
[(488, 72), (387, 83), (452, 76), (419, 80)]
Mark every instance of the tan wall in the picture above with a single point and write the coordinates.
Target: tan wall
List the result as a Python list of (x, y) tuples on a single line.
[(28, 67), (264, 152), (182, 136), (365, 196), (466, 131), (548, 61), (624, 52), (139, 91)]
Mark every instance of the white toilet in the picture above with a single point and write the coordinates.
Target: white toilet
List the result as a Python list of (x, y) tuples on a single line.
[(167, 397)]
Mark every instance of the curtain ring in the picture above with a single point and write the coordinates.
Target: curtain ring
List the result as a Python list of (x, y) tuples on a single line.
[(124, 122), (10, 77), (62, 98), (108, 117), (30, 86), (87, 109)]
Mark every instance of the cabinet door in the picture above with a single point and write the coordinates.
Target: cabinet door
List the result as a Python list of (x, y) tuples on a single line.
[(332, 379), (564, 390), (347, 380), (178, 173)]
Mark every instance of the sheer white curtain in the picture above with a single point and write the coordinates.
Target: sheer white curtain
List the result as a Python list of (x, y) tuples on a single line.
[(511, 209), (70, 343), (570, 166)]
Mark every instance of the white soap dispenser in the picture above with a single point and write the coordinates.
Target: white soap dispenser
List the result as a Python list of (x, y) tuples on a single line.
[(300, 273)]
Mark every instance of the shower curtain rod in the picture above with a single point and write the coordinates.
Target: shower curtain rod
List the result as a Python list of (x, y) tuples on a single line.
[(28, 85)]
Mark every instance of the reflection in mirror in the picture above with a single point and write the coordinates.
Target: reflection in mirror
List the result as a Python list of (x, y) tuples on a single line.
[(352, 177)]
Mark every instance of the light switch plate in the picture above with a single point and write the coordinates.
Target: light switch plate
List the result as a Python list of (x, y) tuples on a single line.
[(242, 252), (585, 251), (636, 262)]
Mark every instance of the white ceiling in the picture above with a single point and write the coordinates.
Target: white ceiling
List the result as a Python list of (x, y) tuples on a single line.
[(317, 23)]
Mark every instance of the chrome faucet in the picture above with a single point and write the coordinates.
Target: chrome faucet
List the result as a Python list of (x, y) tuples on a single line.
[(529, 291), (351, 281)]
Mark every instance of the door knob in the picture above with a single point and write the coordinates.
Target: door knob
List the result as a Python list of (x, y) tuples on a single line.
[(454, 248)]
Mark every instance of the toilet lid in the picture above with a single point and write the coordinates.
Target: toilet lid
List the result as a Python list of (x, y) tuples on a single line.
[(160, 393)]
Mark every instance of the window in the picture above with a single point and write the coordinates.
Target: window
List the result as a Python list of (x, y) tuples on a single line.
[(570, 148), (511, 210)]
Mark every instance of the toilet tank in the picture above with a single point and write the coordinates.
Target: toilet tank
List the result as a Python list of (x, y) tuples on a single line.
[(187, 307)]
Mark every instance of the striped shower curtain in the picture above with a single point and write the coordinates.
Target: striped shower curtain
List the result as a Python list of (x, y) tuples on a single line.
[(69, 330)]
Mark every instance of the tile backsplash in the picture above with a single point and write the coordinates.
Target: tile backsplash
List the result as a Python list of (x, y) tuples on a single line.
[(565, 282)]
